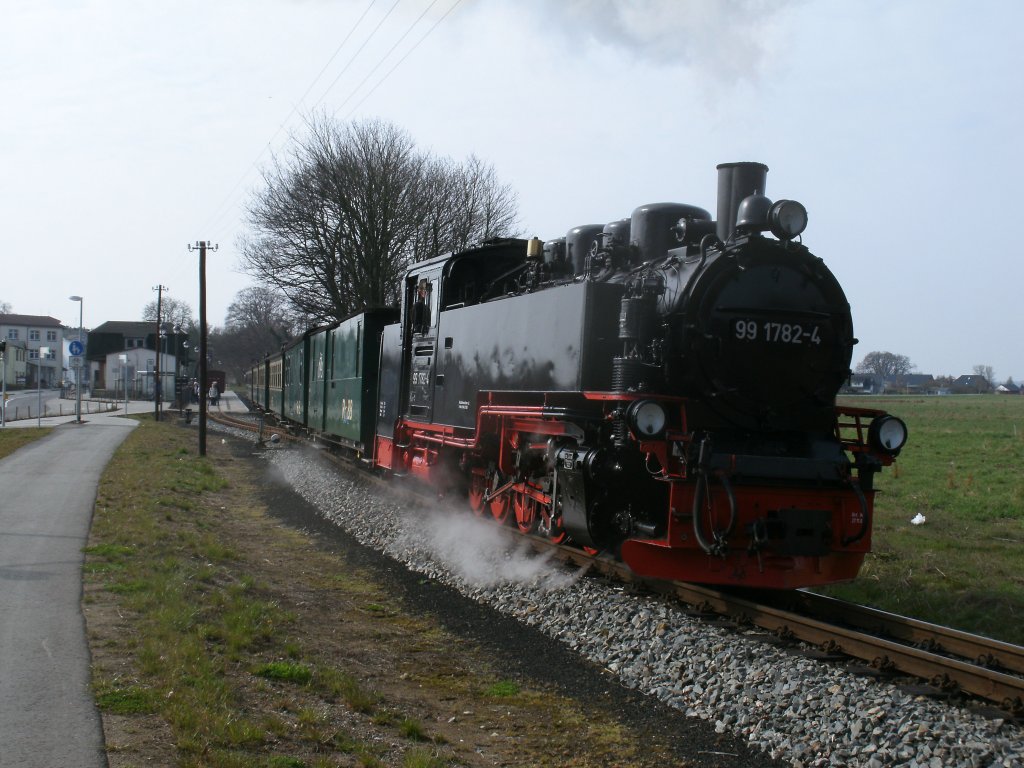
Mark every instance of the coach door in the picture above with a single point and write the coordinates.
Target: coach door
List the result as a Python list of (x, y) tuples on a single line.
[(422, 296)]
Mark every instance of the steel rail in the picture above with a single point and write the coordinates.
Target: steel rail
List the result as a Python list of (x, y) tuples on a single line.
[(992, 685), (942, 671), (983, 651), (232, 420)]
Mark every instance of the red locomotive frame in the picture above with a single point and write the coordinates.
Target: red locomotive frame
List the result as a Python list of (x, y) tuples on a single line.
[(427, 451)]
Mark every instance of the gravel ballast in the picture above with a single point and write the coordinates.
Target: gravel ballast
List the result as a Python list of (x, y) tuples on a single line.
[(798, 711)]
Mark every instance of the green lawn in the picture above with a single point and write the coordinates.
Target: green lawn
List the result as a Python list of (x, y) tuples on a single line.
[(12, 439), (963, 470)]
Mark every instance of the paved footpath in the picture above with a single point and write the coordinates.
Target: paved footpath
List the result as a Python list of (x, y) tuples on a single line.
[(48, 718), (47, 493)]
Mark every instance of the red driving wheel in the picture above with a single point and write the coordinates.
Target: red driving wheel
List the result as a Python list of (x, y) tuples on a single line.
[(554, 527), (526, 513), (501, 505), (477, 489)]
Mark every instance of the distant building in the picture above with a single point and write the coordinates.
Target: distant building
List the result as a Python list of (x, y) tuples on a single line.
[(136, 342), (30, 333), (905, 384), (970, 384), (912, 384), (862, 384), (15, 365), (1009, 388)]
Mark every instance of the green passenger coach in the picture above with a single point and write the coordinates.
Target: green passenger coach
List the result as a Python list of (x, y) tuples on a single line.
[(344, 366)]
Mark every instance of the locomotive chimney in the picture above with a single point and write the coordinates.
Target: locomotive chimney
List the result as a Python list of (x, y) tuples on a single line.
[(735, 182)]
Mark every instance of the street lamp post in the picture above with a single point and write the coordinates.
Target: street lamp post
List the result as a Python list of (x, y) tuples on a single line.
[(162, 345), (124, 365), (39, 386), (184, 395), (78, 372), (3, 402)]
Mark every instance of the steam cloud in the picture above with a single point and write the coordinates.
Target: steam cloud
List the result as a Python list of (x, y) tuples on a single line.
[(480, 554), (724, 40)]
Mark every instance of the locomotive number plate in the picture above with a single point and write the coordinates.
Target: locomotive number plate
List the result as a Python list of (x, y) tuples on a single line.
[(771, 332)]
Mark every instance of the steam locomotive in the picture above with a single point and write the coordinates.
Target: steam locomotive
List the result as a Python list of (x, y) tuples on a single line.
[(661, 388)]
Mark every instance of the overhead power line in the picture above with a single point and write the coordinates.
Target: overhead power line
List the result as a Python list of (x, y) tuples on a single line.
[(354, 55), (407, 54), (385, 57), (225, 203)]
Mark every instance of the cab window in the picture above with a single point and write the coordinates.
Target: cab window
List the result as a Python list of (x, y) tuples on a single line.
[(424, 306)]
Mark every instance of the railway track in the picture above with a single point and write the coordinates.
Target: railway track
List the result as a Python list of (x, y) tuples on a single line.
[(948, 660), (264, 430)]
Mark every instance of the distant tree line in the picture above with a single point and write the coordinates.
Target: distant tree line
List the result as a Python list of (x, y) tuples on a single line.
[(891, 367)]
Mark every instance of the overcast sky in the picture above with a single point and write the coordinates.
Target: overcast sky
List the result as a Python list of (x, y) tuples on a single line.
[(131, 128)]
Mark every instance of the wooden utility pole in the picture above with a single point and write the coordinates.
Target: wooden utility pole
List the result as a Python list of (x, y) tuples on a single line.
[(156, 382), (203, 354)]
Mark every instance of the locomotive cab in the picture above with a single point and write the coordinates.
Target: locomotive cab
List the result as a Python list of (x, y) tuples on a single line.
[(434, 287)]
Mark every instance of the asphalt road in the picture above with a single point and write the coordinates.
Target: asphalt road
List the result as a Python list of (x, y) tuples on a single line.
[(24, 404), (47, 491)]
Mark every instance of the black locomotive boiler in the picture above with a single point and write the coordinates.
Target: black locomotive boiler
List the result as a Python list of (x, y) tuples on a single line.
[(661, 387)]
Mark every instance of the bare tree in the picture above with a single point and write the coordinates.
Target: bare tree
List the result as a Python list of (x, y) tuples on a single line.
[(258, 322), (885, 364), (986, 372), (262, 308), (342, 215), (5, 307), (175, 313), (466, 204), (333, 218)]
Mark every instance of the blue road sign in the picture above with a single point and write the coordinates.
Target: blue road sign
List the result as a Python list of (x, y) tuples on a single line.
[(75, 347)]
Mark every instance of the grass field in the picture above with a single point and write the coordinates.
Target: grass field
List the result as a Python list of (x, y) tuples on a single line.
[(221, 638), (963, 470), (12, 439)]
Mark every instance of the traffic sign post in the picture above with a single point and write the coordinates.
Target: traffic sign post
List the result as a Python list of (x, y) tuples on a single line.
[(76, 348), (3, 364), (76, 364)]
